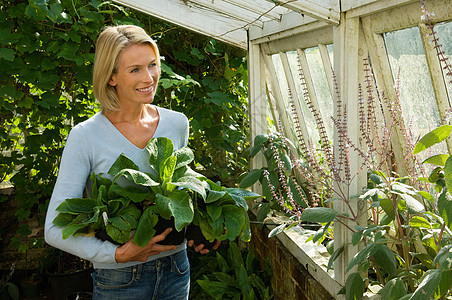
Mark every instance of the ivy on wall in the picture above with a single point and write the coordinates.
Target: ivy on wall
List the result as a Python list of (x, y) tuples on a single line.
[(46, 56)]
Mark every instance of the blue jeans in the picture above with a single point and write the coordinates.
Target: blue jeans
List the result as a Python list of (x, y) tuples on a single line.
[(166, 278)]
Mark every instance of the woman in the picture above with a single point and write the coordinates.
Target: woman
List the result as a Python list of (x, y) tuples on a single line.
[(125, 76)]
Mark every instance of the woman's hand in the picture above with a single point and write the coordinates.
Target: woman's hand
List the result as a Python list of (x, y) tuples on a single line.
[(200, 248), (132, 252)]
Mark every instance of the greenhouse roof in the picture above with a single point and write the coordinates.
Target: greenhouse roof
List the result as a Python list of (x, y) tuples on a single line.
[(237, 21)]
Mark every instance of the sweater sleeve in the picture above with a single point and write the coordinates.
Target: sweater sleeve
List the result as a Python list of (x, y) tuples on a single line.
[(73, 174)]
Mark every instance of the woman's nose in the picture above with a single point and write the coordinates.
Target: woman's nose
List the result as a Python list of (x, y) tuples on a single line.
[(149, 76)]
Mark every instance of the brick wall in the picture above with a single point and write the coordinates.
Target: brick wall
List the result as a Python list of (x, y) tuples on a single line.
[(290, 280)]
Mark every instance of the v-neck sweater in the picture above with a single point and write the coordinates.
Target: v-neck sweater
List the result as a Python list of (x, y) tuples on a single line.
[(93, 146)]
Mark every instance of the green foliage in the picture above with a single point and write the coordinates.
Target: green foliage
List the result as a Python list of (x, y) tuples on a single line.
[(47, 52), (167, 192), (281, 179), (229, 273), (110, 208), (223, 214)]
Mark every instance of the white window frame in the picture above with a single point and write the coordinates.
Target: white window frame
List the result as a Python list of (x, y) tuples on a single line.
[(359, 34)]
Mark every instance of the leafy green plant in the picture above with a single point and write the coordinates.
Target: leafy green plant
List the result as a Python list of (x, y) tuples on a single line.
[(8, 288), (223, 214), (169, 192), (282, 188), (230, 273), (110, 208), (47, 51)]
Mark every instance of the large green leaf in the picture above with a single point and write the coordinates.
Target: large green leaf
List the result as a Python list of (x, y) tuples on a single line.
[(334, 256), (81, 205), (245, 194), (214, 211), (435, 136), (234, 221), (136, 177), (428, 286), (438, 159), (445, 207), (213, 196), (215, 289), (159, 150), (122, 162), (118, 235), (128, 192), (63, 219), (251, 178), (413, 205), (72, 229), (179, 206), (318, 215), (354, 287), (184, 157), (167, 169), (193, 184), (145, 230), (394, 289), (386, 204), (385, 258), (360, 256), (448, 173), (120, 223)]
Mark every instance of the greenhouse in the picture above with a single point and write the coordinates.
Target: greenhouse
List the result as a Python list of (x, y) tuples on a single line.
[(298, 149)]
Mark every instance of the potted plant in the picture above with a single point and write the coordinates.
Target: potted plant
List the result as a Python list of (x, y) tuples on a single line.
[(156, 201), (222, 215), (111, 213), (8, 290), (67, 274)]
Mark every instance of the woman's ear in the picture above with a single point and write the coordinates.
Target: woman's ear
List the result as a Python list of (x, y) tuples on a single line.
[(112, 81)]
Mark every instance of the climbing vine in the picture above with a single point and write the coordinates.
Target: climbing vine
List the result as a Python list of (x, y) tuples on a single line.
[(46, 57)]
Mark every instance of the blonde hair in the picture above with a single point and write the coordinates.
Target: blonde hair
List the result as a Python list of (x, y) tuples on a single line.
[(109, 45)]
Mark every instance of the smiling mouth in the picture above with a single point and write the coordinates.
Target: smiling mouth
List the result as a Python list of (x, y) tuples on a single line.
[(148, 89)]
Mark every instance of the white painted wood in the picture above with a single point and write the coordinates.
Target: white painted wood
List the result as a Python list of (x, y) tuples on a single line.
[(301, 40), (327, 11), (257, 102), (264, 8), (385, 83), (436, 74), (409, 15), (280, 103), (227, 9), (356, 8), (296, 98), (290, 21), (211, 23)]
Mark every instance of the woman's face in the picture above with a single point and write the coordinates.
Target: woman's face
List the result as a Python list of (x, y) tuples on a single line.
[(137, 75)]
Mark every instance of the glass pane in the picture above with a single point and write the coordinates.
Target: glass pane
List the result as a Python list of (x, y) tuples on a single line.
[(322, 89), (320, 85), (417, 99)]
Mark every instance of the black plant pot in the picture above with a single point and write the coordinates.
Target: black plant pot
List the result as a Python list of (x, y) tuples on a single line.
[(65, 284), (194, 233), (174, 237)]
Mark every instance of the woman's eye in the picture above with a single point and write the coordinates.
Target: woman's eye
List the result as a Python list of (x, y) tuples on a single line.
[(134, 70), (152, 65)]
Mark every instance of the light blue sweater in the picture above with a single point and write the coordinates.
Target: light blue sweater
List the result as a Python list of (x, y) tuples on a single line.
[(93, 146)]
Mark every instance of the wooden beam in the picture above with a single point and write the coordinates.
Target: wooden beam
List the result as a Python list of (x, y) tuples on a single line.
[(323, 10), (257, 102), (436, 74), (213, 24), (267, 10)]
